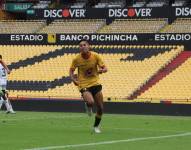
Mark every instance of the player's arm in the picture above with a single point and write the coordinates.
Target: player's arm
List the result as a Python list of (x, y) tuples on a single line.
[(71, 72), (102, 67), (5, 66), (73, 76)]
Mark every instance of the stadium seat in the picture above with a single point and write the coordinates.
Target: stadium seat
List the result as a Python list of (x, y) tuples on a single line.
[(130, 67)]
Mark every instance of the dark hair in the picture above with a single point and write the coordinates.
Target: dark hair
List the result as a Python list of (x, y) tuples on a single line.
[(84, 40), (0, 56)]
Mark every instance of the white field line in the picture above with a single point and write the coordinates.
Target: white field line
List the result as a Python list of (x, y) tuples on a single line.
[(110, 142)]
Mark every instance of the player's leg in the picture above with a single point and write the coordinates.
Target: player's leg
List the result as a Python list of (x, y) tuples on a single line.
[(11, 107), (1, 102), (1, 99), (8, 107), (98, 97), (89, 101), (7, 102), (3, 83), (5, 97)]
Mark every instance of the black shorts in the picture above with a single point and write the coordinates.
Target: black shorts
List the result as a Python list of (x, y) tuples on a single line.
[(93, 89)]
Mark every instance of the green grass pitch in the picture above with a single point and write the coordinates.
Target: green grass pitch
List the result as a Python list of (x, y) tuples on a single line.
[(73, 131)]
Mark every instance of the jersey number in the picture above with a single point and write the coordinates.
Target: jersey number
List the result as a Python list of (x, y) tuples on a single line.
[(3, 72)]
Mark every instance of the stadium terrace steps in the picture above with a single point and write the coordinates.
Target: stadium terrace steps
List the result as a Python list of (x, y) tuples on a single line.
[(40, 58), (176, 62), (137, 55), (37, 85), (28, 79)]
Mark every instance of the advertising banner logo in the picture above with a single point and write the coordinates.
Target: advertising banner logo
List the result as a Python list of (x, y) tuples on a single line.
[(51, 38), (131, 12), (64, 13), (183, 12)]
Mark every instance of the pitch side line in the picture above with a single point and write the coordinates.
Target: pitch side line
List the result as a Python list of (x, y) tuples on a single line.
[(110, 142)]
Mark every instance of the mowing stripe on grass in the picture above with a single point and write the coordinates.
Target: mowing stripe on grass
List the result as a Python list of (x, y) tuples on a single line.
[(151, 130), (111, 142), (79, 126), (39, 118)]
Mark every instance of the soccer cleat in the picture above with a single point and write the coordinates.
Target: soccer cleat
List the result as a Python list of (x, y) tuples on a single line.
[(10, 112), (97, 130), (88, 110)]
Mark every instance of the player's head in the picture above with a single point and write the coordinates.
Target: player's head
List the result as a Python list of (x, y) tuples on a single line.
[(84, 46)]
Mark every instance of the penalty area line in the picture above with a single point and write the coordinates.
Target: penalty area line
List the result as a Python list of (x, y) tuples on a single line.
[(110, 142)]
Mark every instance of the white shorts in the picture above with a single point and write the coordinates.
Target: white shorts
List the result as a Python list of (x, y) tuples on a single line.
[(3, 84)]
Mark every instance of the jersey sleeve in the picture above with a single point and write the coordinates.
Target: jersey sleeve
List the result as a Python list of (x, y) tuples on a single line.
[(100, 61), (73, 65)]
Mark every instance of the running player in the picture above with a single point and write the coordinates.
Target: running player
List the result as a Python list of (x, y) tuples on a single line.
[(89, 65)]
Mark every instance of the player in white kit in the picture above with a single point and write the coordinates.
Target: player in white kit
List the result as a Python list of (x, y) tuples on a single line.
[(4, 70)]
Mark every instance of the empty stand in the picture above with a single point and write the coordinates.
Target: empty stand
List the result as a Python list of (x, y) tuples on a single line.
[(180, 25), (132, 69), (45, 74), (171, 66), (139, 3), (174, 87), (14, 54), (74, 26), (178, 3), (41, 5), (21, 26), (111, 4), (157, 3), (79, 4), (134, 26)]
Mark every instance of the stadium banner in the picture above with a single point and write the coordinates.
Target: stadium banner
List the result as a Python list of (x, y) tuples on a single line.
[(23, 39), (109, 13), (147, 12), (74, 13), (100, 13), (182, 12), (152, 12), (17, 7), (113, 39)]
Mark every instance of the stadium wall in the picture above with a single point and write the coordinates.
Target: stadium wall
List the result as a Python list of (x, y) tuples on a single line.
[(109, 107)]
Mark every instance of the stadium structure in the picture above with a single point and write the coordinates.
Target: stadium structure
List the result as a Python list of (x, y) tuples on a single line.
[(145, 44)]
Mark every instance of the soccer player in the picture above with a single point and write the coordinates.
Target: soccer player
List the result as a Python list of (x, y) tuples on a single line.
[(4, 70), (89, 65)]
